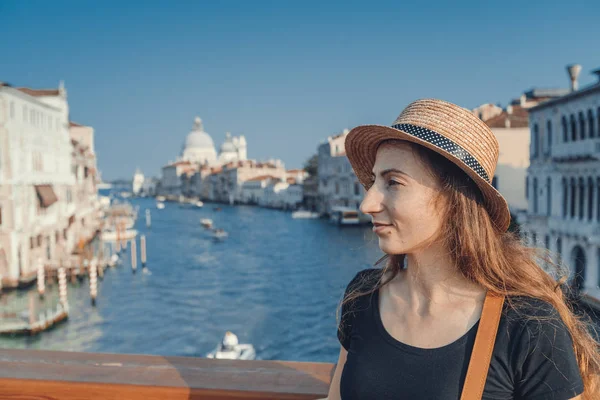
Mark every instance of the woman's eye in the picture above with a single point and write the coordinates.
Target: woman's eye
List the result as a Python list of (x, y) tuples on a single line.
[(392, 182)]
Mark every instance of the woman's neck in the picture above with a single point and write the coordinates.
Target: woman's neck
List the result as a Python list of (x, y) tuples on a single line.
[(431, 283)]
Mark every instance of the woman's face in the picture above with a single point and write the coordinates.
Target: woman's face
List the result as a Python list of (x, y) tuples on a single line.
[(402, 200)]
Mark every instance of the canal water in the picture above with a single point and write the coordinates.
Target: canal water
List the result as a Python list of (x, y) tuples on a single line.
[(275, 282)]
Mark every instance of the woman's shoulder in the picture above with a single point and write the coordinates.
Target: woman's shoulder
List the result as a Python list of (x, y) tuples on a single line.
[(364, 280), (532, 316)]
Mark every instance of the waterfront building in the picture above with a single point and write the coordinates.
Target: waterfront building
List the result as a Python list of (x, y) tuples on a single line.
[(337, 183), (511, 127), (296, 176), (40, 156), (563, 181), (137, 183)]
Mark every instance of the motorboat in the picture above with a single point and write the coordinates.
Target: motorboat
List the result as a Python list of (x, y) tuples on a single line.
[(220, 234), (160, 205), (160, 198), (305, 214), (199, 204), (344, 216), (230, 349), (207, 223), (113, 236)]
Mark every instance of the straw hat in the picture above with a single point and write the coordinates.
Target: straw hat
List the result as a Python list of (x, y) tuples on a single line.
[(445, 128)]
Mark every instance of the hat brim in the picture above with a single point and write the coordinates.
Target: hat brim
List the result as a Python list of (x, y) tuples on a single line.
[(361, 149)]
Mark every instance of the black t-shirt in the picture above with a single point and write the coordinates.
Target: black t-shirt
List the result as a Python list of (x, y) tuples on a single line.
[(533, 357)]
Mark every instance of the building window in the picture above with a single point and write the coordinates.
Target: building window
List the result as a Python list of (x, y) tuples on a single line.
[(39, 241), (337, 188), (591, 128), (535, 196), (527, 187), (572, 197), (581, 125), (590, 192), (535, 141), (548, 136), (598, 199), (581, 197), (565, 129), (549, 196), (356, 189), (533, 239), (495, 182), (547, 242), (32, 243), (24, 113), (565, 188), (573, 128)]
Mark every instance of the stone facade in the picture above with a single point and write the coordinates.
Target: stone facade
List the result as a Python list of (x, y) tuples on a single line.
[(563, 183)]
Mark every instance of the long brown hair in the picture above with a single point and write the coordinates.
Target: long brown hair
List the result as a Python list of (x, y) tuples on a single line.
[(498, 261)]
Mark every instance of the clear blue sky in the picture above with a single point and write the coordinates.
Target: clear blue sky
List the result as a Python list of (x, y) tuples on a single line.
[(285, 74)]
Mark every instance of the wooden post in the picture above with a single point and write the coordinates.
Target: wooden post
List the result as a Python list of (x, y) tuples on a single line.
[(133, 255), (62, 286), (41, 281), (143, 245), (148, 218), (93, 281)]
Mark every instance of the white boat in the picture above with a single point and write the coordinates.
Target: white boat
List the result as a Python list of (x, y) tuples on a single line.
[(207, 223), (344, 216), (305, 214), (199, 204), (230, 349), (111, 236), (220, 234), (160, 206), (160, 198)]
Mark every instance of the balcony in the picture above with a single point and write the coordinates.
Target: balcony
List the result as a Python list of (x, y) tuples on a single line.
[(576, 227), (578, 150), (71, 375)]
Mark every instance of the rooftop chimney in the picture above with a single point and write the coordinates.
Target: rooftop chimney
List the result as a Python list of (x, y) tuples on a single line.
[(574, 71)]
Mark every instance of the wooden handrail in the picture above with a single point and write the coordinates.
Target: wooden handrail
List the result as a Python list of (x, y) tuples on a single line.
[(49, 375)]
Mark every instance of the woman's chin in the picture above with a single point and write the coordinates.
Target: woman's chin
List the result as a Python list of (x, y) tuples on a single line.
[(390, 248)]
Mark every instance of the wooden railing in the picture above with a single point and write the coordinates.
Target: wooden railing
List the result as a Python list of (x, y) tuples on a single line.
[(49, 375)]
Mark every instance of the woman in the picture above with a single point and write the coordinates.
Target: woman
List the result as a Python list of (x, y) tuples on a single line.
[(416, 328)]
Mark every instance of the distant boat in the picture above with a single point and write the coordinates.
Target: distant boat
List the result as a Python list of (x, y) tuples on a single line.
[(160, 198), (199, 204), (217, 209), (305, 214), (207, 223), (220, 234), (230, 349), (344, 216), (160, 206), (111, 236)]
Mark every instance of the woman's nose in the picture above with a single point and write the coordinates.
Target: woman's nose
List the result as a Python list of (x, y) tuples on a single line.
[(372, 202)]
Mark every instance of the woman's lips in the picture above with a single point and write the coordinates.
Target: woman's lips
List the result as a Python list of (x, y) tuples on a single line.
[(379, 228)]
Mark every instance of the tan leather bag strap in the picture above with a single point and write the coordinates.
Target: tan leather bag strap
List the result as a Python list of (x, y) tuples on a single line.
[(483, 347)]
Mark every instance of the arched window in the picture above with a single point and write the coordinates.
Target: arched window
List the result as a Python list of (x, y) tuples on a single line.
[(572, 198), (581, 197), (591, 127), (590, 195), (535, 196), (565, 128), (565, 189), (548, 136), (581, 125), (535, 141), (549, 196), (573, 128)]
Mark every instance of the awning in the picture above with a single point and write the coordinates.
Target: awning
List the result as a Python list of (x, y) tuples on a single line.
[(46, 195)]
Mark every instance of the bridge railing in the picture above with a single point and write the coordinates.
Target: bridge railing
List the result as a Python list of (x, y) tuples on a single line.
[(41, 374)]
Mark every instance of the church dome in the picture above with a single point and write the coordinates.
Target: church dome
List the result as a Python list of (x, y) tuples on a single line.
[(199, 146), (228, 146), (197, 138)]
